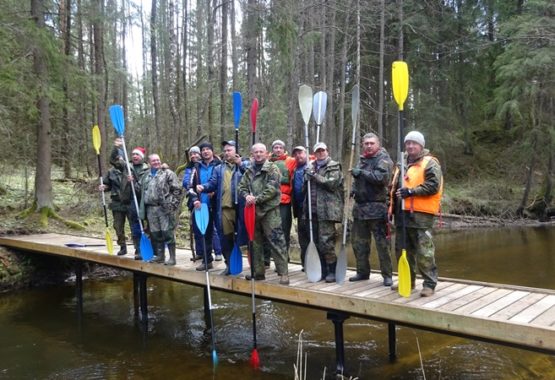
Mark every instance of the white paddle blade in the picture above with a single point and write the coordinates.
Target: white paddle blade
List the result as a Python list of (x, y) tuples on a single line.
[(341, 266), (313, 267), (305, 102), (319, 106)]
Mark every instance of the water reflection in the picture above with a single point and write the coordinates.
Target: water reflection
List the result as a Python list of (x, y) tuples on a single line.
[(41, 337)]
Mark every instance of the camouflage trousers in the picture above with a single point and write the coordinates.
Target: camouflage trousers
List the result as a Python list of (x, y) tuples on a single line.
[(161, 224), (286, 222), (420, 254), (324, 238), (268, 231), (119, 225), (361, 240)]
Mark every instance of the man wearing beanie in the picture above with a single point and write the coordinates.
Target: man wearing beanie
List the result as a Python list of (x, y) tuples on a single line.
[(138, 170), (371, 178), (202, 171), (421, 190), (286, 165), (326, 197), (260, 187)]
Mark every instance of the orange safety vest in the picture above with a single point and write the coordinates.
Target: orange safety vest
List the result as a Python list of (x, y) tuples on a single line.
[(415, 176)]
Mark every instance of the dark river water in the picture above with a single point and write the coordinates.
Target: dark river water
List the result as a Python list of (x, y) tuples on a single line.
[(43, 338)]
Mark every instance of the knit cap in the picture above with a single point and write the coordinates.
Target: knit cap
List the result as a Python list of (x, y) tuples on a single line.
[(417, 137)]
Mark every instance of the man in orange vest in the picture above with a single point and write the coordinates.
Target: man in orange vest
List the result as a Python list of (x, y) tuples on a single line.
[(421, 189)]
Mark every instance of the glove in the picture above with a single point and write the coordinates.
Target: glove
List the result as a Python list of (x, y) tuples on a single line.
[(405, 192), (355, 172)]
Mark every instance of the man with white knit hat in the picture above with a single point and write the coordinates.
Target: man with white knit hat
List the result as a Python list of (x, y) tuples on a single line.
[(421, 189)]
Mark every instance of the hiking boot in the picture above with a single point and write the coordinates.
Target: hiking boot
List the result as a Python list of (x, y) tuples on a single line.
[(427, 292), (218, 257), (197, 257), (284, 279), (122, 251), (387, 281), (171, 249), (330, 277), (202, 267), (359, 277), (256, 277)]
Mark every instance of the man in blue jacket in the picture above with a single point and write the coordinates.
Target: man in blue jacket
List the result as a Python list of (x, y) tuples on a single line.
[(228, 210)]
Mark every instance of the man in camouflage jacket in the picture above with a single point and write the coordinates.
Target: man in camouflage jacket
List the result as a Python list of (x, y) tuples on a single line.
[(371, 178), (326, 196), (160, 198), (260, 186)]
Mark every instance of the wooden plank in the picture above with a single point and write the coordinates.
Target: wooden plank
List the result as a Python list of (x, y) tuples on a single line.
[(415, 295), (443, 289), (459, 302), (482, 301), (517, 307), (433, 304), (547, 318), (534, 310), (500, 304)]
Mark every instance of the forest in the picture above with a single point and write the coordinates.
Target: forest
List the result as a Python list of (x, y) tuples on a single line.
[(481, 83)]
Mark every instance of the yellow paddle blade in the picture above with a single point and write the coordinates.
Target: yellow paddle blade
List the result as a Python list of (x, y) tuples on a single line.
[(400, 80), (96, 138), (109, 242), (404, 276)]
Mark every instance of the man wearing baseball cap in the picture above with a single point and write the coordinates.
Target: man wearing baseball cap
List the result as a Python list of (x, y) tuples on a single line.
[(421, 189), (326, 196)]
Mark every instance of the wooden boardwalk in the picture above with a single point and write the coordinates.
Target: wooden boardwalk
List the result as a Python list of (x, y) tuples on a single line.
[(504, 314)]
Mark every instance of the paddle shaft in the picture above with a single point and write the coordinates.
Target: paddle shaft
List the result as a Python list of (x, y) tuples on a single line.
[(308, 186), (102, 192), (402, 164)]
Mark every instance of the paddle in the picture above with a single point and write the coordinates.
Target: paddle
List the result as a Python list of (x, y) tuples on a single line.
[(201, 219), (312, 264), (116, 115), (96, 144), (319, 110), (341, 268), (236, 260), (254, 112), (400, 80), (250, 216), (82, 245)]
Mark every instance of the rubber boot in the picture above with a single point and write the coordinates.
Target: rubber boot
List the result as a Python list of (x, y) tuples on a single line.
[(159, 253), (171, 250), (122, 251), (324, 269), (331, 272), (137, 245)]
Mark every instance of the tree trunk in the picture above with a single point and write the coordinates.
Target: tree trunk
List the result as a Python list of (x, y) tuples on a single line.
[(65, 30), (234, 59), (43, 184), (98, 44), (251, 48), (223, 71), (172, 82), (381, 70), (154, 76)]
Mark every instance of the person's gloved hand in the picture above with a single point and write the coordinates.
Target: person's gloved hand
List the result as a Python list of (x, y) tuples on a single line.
[(405, 192), (355, 172)]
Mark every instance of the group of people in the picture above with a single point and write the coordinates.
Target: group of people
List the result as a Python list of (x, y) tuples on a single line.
[(282, 187)]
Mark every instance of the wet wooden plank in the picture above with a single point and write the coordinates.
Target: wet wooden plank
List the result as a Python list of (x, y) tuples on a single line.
[(547, 318), (433, 304), (516, 307), (465, 300), (534, 310), (482, 301)]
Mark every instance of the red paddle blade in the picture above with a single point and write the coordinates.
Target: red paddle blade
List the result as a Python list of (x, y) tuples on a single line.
[(250, 212), (255, 359), (254, 112)]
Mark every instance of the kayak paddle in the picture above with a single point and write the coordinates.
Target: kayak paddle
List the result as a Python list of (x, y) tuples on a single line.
[(312, 264), (82, 245), (96, 144), (400, 80), (236, 259), (116, 115), (319, 110), (254, 112), (201, 219), (341, 268), (250, 216)]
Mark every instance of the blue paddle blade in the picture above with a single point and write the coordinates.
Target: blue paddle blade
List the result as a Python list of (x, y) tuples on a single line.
[(145, 247), (319, 106), (237, 108), (214, 357), (235, 261), (201, 217), (116, 115)]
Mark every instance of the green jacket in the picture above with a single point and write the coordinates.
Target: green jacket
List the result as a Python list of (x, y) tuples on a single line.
[(112, 181), (326, 186), (163, 189), (264, 185)]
